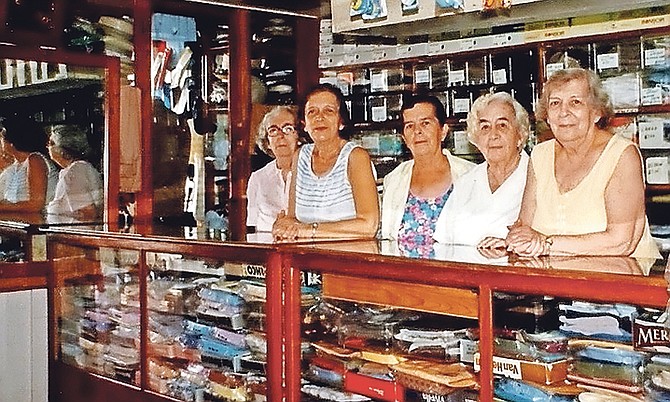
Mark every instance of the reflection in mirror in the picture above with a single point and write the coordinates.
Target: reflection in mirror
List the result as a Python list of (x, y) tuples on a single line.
[(57, 122)]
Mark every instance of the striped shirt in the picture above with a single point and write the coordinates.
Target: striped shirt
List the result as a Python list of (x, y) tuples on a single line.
[(326, 198)]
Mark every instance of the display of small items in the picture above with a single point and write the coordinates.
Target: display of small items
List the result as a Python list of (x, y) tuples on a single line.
[(11, 250)]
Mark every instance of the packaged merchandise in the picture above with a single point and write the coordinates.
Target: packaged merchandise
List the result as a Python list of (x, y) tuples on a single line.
[(534, 371), (524, 391)]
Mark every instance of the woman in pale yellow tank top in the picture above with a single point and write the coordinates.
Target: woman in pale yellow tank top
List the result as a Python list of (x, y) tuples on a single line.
[(585, 189)]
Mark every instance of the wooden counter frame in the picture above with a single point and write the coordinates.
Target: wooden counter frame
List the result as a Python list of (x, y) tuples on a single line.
[(485, 279)]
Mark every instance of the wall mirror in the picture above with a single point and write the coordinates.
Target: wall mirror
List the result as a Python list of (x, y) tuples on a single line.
[(55, 88)]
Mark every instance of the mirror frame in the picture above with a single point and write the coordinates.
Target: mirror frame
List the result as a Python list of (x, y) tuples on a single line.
[(112, 88)]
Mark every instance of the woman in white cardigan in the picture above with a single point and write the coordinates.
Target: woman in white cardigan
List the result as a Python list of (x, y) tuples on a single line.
[(416, 190)]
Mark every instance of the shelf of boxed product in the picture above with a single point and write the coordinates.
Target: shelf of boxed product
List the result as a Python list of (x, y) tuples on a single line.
[(633, 66), (159, 316), (459, 306)]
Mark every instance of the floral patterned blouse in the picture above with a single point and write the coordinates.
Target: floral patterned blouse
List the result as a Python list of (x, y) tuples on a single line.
[(415, 237)]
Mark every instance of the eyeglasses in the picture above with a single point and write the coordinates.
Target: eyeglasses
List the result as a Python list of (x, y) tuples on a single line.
[(274, 131)]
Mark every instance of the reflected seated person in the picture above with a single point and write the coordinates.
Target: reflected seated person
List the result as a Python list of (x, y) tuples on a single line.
[(28, 183), (79, 192)]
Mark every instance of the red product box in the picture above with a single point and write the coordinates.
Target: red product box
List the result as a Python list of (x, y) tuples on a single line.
[(376, 388)]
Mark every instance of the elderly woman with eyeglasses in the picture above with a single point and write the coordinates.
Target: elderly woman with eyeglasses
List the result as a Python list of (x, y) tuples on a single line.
[(268, 187), (333, 193)]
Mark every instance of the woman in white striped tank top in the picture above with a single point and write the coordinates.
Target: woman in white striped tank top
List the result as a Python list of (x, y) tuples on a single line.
[(334, 192), (28, 184)]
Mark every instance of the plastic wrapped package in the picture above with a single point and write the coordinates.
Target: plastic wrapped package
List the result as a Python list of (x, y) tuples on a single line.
[(655, 88), (607, 364), (331, 394), (624, 90), (457, 72), (441, 344), (521, 391), (384, 107), (329, 376), (371, 326), (387, 79), (571, 56), (500, 68), (614, 58), (228, 386), (531, 313), (524, 350), (461, 100), (433, 376)]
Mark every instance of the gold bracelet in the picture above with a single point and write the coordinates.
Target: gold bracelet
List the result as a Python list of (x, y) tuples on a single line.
[(315, 226)]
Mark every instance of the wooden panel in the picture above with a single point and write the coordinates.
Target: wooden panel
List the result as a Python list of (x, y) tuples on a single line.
[(433, 299)]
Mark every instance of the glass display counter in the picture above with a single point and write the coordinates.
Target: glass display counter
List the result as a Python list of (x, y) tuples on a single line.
[(163, 313), (518, 306)]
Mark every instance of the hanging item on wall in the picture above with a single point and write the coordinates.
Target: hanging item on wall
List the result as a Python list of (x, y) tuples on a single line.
[(368, 9), (494, 7), (409, 6), (456, 5)]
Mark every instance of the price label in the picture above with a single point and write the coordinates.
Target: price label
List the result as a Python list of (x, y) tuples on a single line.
[(461, 105), (607, 61), (651, 96), (652, 134), (500, 76), (456, 76), (658, 170), (379, 81), (553, 67), (654, 57), (422, 76)]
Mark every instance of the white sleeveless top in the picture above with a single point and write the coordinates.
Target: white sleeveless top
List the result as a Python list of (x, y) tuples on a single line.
[(14, 180), (326, 198)]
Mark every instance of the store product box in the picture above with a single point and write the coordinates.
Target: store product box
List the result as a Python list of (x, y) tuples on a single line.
[(535, 371), (377, 388), (655, 87), (650, 334), (477, 70), (654, 131), (501, 68), (657, 169), (618, 57), (571, 56), (624, 90), (461, 395), (386, 79), (655, 54), (385, 108), (457, 72), (461, 100)]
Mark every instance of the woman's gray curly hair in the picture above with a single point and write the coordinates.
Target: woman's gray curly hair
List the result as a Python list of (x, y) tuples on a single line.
[(262, 135), (521, 118), (599, 97), (71, 141)]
